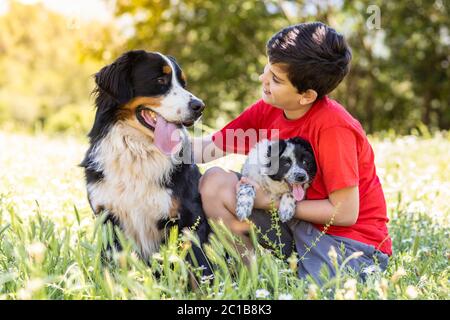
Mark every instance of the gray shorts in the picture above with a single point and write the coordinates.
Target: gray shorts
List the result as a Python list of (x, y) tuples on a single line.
[(314, 260)]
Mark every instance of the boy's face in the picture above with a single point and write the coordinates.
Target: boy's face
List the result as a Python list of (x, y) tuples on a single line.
[(277, 90)]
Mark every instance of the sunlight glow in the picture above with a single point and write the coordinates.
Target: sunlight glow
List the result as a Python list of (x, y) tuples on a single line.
[(81, 9)]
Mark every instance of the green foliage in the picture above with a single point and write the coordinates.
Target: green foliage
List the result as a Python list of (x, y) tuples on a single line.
[(73, 119), (399, 77), (46, 66), (401, 70)]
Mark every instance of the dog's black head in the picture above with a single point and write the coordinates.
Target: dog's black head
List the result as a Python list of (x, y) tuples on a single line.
[(292, 161), (147, 91)]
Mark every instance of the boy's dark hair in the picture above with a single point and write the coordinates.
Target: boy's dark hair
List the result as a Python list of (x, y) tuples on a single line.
[(316, 56)]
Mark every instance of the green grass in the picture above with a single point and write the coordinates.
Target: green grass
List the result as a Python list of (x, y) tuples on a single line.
[(50, 245)]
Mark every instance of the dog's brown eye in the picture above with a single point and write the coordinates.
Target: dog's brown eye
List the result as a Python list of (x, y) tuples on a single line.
[(162, 80)]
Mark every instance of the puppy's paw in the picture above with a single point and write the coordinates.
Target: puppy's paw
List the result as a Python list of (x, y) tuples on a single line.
[(287, 207), (245, 198)]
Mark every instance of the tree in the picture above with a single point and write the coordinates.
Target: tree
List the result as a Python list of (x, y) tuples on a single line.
[(400, 72), (46, 64)]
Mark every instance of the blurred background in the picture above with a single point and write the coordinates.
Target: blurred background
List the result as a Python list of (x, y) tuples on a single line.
[(49, 50)]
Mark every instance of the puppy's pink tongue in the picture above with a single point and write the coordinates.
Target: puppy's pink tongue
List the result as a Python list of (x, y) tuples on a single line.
[(167, 136), (298, 192)]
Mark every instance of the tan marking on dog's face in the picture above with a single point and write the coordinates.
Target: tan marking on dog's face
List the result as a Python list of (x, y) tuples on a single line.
[(154, 102), (127, 113), (167, 69), (134, 123), (128, 110)]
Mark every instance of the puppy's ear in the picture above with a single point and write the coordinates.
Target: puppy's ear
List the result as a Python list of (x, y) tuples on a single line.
[(115, 79), (304, 143), (276, 145)]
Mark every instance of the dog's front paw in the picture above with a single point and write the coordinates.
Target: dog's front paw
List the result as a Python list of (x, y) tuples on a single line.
[(245, 198), (287, 207)]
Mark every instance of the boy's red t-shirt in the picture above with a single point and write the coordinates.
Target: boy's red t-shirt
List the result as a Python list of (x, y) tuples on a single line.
[(343, 154)]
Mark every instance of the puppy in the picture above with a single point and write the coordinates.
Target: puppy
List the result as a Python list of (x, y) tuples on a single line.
[(131, 168), (283, 168)]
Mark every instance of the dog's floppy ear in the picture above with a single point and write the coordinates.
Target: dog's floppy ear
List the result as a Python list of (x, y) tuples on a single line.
[(275, 145), (274, 151), (115, 79), (304, 143), (172, 58)]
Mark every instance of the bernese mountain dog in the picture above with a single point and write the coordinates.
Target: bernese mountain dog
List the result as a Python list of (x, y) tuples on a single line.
[(133, 169), (283, 168)]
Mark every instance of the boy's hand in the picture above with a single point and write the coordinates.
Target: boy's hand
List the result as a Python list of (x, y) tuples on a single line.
[(262, 198)]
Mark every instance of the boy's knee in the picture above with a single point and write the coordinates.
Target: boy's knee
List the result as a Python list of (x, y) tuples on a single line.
[(213, 180)]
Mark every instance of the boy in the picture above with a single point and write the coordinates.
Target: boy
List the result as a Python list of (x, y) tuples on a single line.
[(305, 63)]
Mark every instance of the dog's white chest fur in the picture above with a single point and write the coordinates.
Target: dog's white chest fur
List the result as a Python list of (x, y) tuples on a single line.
[(132, 188)]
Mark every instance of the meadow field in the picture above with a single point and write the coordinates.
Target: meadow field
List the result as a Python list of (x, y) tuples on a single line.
[(50, 244)]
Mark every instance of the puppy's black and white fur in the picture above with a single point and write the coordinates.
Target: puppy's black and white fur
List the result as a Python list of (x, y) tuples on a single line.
[(283, 168), (140, 186)]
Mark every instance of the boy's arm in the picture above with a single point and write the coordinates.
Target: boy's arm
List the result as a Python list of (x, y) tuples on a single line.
[(342, 206), (338, 160)]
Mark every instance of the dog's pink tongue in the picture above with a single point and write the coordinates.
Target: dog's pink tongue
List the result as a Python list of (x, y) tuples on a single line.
[(298, 192), (167, 136)]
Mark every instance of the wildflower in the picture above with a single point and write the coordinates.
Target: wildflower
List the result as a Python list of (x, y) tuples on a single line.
[(293, 262), (382, 288), (23, 294), (350, 284), (411, 292), (339, 294), (285, 271), (174, 258), (262, 293), (35, 284), (355, 255), (332, 254), (36, 251), (206, 279), (285, 296), (312, 291), (350, 295), (186, 245), (31, 287), (350, 289), (157, 256), (398, 274)]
